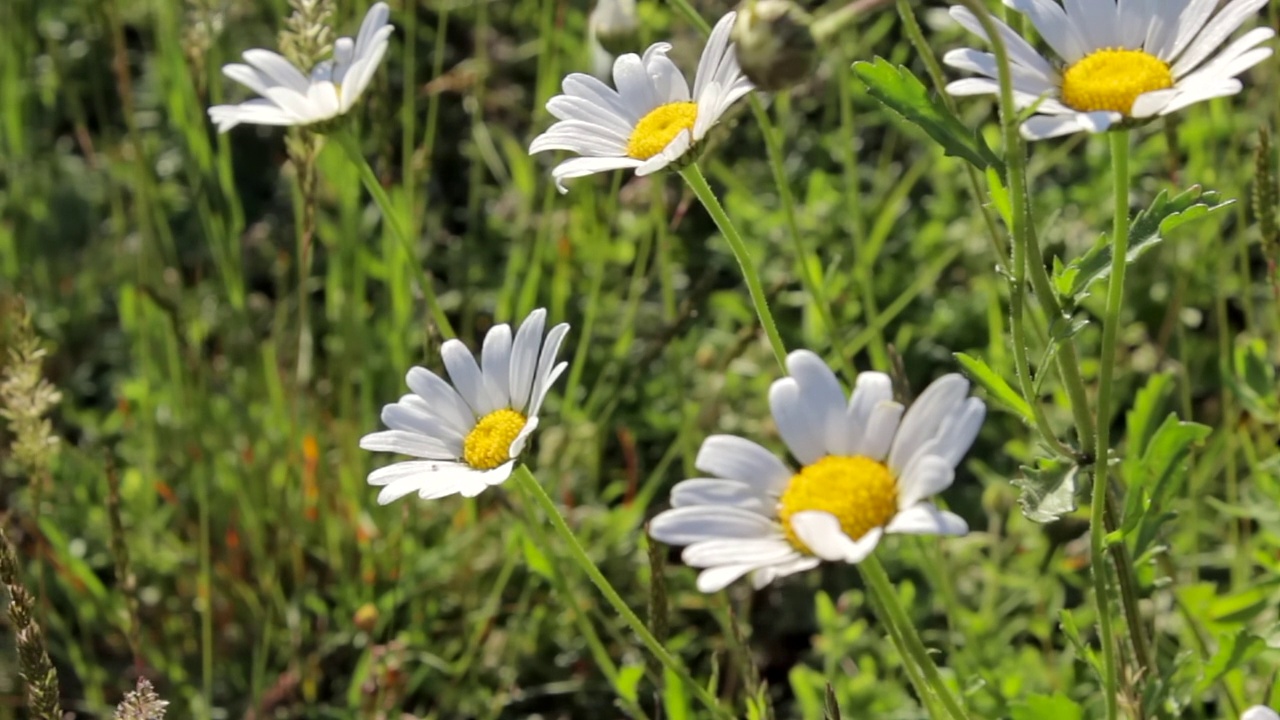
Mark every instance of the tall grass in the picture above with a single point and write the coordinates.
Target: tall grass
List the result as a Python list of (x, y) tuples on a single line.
[(163, 265)]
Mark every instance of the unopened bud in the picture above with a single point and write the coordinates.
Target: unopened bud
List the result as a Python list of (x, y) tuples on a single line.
[(616, 26), (774, 44), (366, 617)]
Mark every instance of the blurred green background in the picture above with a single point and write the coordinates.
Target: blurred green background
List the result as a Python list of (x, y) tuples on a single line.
[(160, 264)]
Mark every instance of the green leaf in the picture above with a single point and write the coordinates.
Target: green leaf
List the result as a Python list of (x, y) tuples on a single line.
[(903, 93), (1233, 652), (1048, 490), (1254, 381), (1146, 231), (1148, 403), (1159, 474), (535, 558), (997, 389), (1041, 707)]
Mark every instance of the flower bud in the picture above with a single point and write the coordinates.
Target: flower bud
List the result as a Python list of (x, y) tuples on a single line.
[(775, 47), (615, 26)]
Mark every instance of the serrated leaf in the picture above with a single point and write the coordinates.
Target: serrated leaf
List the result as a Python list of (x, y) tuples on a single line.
[(1146, 231), (1159, 474), (903, 93), (1254, 381), (1048, 490), (1041, 707), (997, 389)]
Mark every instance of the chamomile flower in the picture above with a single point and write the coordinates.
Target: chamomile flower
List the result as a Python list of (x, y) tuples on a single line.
[(867, 469), (1259, 712), (651, 120), (292, 98), (1120, 59), (468, 434)]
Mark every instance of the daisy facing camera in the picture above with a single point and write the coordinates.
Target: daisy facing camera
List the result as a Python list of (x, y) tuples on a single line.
[(1121, 60), (868, 468)]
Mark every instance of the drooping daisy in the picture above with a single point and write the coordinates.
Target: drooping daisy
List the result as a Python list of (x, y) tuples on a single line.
[(1120, 59), (468, 434), (866, 469), (290, 97), (1259, 712), (651, 120)]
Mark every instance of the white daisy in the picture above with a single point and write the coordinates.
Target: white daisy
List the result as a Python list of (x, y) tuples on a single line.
[(1120, 59), (867, 469), (470, 433), (651, 120), (1258, 712), (289, 97)]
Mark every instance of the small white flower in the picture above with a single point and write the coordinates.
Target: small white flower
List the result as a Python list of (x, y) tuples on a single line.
[(289, 97), (470, 433), (1121, 59), (1258, 712), (651, 120), (867, 469)]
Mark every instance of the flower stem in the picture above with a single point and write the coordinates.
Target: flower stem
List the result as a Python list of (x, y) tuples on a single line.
[(896, 618), (389, 216), (698, 183), (579, 556), (1102, 420)]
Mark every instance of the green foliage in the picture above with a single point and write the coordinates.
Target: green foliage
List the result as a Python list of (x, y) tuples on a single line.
[(1048, 489), (905, 95)]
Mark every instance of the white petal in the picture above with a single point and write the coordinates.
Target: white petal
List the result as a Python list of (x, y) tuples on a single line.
[(1051, 22), (1223, 24), (595, 91), (1019, 50), (522, 437), (441, 399), (925, 416), (1258, 712), (467, 378), (821, 532), (249, 77), (410, 443), (669, 81), (280, 71), (254, 112), (926, 519), (583, 137), (718, 578), (583, 166), (403, 416), (709, 553), (547, 370), (735, 458), (713, 53), (495, 360), (765, 575), (869, 389), (927, 476), (881, 427), (634, 85), (958, 432), (571, 107), (727, 493), (1189, 24), (524, 357), (678, 146), (796, 423), (821, 393), (682, 526), (374, 20), (1042, 127), (1200, 94)]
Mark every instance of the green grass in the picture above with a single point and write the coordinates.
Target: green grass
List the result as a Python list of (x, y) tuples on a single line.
[(160, 262)]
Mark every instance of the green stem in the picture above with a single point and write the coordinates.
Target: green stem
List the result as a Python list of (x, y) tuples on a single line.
[(1102, 419), (351, 147), (896, 618), (579, 556), (812, 285), (698, 183), (558, 582)]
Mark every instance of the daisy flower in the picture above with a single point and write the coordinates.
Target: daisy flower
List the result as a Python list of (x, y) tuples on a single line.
[(1119, 59), (290, 97), (468, 434), (651, 120), (867, 469), (1258, 712)]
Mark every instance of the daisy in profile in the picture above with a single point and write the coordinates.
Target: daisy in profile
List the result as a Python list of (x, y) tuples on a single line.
[(468, 434), (291, 97), (867, 469), (1118, 59), (651, 120)]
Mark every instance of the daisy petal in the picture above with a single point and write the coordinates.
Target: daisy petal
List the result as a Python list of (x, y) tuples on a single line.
[(735, 458), (926, 519)]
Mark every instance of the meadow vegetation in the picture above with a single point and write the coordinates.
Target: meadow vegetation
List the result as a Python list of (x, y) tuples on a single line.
[(198, 328)]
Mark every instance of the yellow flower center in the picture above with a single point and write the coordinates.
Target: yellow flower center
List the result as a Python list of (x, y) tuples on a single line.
[(488, 445), (1112, 79), (656, 130), (860, 492)]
